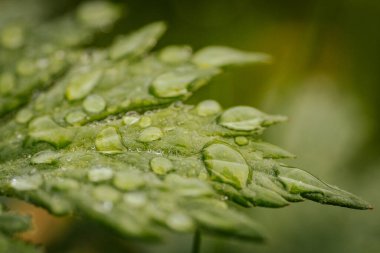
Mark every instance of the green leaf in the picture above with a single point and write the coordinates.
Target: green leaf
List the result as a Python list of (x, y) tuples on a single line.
[(110, 139)]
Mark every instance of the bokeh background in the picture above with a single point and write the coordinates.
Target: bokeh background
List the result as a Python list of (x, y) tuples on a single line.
[(325, 76)]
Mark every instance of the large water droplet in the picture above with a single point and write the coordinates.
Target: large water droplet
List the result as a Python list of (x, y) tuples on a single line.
[(175, 54), (226, 164), (100, 174), (180, 222), (45, 129), (172, 84), (24, 116), (208, 108), (109, 141), (145, 121), (82, 84), (150, 134), (75, 117), (45, 157), (242, 118), (26, 183), (94, 104), (161, 165)]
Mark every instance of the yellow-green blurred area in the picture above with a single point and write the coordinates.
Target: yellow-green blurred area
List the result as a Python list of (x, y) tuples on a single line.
[(325, 76)]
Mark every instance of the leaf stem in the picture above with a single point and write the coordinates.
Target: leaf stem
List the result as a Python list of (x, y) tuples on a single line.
[(197, 242)]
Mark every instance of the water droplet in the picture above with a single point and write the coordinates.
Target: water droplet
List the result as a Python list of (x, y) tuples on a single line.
[(45, 129), (94, 104), (180, 222), (7, 82), (172, 84), (226, 164), (208, 108), (82, 84), (129, 120), (75, 118), (161, 165), (135, 199), (106, 193), (98, 14), (45, 157), (24, 116), (243, 118), (100, 174), (241, 140), (128, 180), (175, 54), (150, 134), (109, 141), (26, 183), (145, 122), (12, 36)]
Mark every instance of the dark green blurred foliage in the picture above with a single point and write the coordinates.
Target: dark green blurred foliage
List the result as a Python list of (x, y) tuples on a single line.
[(325, 77)]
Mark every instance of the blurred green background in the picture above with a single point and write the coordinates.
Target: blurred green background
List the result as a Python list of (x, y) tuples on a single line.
[(325, 77)]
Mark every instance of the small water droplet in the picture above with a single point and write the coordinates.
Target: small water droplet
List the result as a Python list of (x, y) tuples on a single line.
[(26, 183), (150, 134), (180, 222), (161, 165), (24, 116), (241, 140), (74, 118), (94, 104), (243, 118), (45, 157), (109, 141), (208, 108), (226, 164), (129, 120), (99, 174)]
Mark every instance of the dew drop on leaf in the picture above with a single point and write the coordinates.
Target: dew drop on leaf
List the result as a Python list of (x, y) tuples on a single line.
[(26, 183), (24, 116), (145, 121), (82, 84), (208, 108), (106, 193), (129, 120), (75, 117), (109, 141), (94, 104), (180, 222), (226, 164), (175, 54), (45, 157), (161, 165), (241, 140), (150, 134)]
